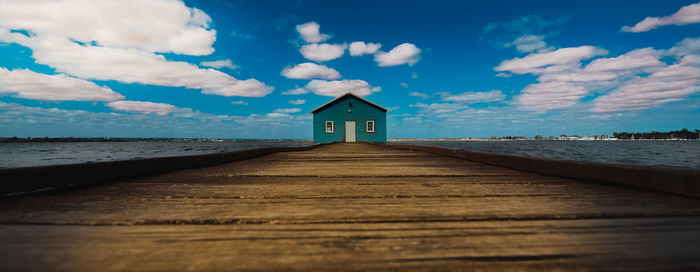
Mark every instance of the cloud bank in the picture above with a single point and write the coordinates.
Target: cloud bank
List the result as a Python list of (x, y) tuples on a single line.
[(24, 83), (142, 107), (686, 15), (121, 41)]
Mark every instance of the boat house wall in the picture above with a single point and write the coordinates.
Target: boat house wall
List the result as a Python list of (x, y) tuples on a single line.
[(349, 107)]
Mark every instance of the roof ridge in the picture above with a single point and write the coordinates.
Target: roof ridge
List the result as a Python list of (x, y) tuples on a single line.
[(349, 94)]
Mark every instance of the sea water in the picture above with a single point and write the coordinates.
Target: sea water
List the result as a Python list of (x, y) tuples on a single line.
[(26, 154), (684, 154)]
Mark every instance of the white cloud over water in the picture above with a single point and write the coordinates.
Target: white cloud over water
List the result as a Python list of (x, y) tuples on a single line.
[(26, 121), (142, 107), (27, 84), (635, 80), (535, 63), (546, 96), (121, 41), (154, 26), (635, 59)]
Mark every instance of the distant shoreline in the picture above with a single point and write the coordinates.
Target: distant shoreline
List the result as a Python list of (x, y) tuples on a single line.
[(528, 139)]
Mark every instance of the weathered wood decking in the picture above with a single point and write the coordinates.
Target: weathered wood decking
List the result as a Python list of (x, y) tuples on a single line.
[(350, 207)]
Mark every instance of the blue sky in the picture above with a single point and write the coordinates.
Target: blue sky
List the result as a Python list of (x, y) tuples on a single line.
[(255, 69)]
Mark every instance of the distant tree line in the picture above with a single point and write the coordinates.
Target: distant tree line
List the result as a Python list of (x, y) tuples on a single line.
[(655, 135), (509, 138)]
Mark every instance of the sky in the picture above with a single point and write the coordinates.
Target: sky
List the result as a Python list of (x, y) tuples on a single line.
[(256, 69)]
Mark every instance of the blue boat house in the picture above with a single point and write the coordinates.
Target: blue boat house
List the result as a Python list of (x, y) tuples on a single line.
[(349, 118)]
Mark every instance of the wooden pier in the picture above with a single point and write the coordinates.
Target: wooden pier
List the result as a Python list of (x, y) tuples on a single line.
[(350, 207)]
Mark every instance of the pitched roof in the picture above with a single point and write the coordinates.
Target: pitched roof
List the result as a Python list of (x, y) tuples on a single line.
[(349, 94)]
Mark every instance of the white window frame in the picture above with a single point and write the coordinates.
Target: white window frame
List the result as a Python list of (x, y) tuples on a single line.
[(374, 126), (332, 128)]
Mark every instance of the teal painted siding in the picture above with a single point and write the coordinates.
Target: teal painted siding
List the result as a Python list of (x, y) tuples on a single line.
[(338, 113)]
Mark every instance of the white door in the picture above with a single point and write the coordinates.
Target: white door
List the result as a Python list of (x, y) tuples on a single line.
[(350, 131)]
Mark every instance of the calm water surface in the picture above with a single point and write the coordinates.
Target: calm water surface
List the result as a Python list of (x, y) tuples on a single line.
[(38, 154), (660, 153)]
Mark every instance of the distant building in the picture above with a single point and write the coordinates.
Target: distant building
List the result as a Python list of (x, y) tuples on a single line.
[(349, 118)]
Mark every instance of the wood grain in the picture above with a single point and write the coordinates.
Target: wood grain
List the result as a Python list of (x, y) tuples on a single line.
[(350, 207)]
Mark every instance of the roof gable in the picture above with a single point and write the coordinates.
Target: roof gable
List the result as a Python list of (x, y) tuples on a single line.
[(346, 95)]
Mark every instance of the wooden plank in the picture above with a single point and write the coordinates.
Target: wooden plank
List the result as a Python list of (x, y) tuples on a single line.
[(350, 207), (611, 244)]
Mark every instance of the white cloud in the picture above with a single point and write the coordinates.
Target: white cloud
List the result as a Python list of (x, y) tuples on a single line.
[(225, 63), (421, 95), (638, 79), (535, 63), (475, 97), (406, 53), (635, 59), (297, 102), (362, 48), (120, 41), (295, 91), (322, 52), (529, 43), (143, 107), (181, 122), (132, 66), (339, 87), (549, 95), (24, 83), (291, 110), (153, 26), (403, 84), (686, 15), (503, 75), (685, 47), (310, 70), (239, 103), (440, 109), (672, 83), (577, 75), (310, 32)]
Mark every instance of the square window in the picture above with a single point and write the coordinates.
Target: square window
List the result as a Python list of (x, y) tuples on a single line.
[(370, 126), (329, 126)]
